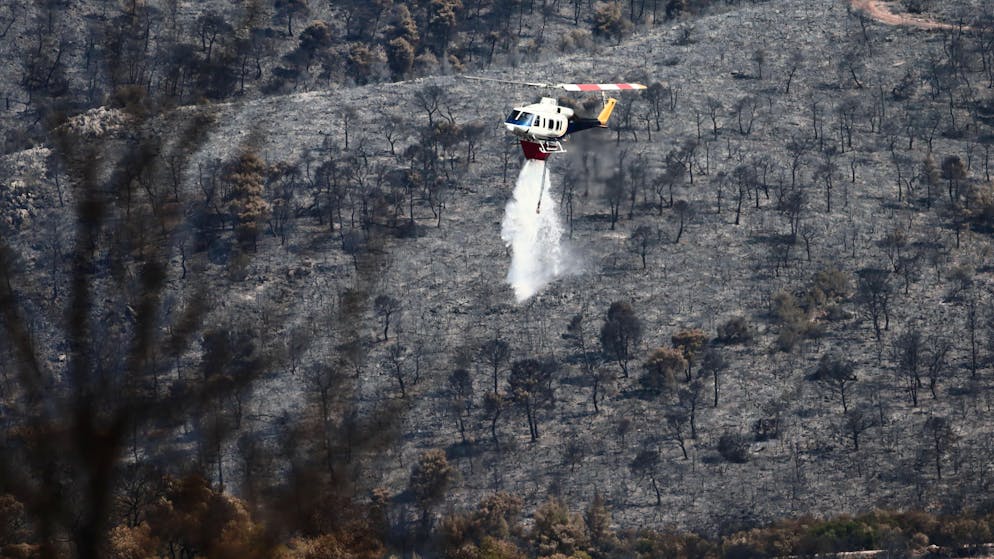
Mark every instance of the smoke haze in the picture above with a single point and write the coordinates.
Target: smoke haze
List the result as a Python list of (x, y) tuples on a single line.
[(534, 238)]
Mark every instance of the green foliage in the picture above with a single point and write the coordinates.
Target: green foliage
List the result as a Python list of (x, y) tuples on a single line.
[(874, 293), (559, 532), (287, 10), (609, 21), (202, 521), (842, 534), (662, 368), (795, 323), (620, 334), (134, 99), (248, 207), (676, 8), (798, 316), (403, 26), (597, 519), (492, 548), (769, 424), (735, 330), (484, 532), (575, 40), (530, 384), (12, 521), (833, 367), (689, 342), (734, 447), (787, 309), (978, 205), (431, 477), (828, 286), (645, 462), (649, 544), (400, 57), (498, 514), (442, 20), (917, 6), (315, 37), (314, 43), (361, 61)]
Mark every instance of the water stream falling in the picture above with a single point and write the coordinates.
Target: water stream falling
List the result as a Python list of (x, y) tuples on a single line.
[(534, 237)]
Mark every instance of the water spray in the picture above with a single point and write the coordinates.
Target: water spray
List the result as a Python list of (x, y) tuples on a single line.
[(533, 236)]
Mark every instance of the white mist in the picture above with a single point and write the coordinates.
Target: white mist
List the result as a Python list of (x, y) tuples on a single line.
[(534, 237)]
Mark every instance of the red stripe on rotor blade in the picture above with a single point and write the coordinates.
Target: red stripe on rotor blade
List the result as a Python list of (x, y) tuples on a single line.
[(588, 86), (624, 86)]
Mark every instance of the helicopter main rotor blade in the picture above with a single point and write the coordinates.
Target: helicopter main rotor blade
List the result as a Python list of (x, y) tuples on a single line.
[(530, 84), (566, 86), (600, 86)]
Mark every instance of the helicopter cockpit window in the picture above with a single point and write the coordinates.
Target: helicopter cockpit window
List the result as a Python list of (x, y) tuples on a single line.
[(520, 118)]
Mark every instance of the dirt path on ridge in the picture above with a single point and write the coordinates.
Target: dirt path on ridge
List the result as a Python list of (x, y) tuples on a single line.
[(880, 11)]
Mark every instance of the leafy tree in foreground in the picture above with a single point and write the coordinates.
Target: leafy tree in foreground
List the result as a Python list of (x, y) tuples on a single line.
[(558, 532), (63, 449), (597, 517), (430, 480), (485, 531)]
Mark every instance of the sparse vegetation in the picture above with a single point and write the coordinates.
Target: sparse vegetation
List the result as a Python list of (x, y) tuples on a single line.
[(252, 300)]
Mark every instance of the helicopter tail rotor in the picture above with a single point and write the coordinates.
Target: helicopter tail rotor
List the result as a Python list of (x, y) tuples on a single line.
[(606, 111)]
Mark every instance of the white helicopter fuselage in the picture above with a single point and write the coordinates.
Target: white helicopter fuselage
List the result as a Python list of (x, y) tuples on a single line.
[(542, 121)]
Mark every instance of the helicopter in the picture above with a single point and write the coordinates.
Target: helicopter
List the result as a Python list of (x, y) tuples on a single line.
[(542, 127)]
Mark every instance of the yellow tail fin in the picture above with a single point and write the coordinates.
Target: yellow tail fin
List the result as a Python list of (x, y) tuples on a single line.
[(606, 111)]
